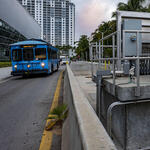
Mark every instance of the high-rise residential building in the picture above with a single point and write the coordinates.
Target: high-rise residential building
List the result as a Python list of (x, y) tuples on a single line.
[(56, 18)]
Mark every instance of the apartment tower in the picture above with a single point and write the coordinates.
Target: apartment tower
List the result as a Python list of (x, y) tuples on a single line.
[(56, 18)]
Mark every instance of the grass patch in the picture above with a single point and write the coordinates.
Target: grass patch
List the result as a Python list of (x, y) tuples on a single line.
[(5, 64), (57, 116)]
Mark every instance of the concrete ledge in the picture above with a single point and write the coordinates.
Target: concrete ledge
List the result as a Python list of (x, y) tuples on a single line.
[(125, 91), (82, 129)]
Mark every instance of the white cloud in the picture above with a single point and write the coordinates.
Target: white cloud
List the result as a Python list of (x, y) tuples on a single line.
[(90, 13)]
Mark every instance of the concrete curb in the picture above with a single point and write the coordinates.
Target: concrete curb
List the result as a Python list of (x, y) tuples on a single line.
[(2, 80), (5, 73), (5, 78), (47, 137), (90, 130)]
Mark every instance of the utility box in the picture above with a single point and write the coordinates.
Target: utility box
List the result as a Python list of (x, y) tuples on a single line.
[(130, 41)]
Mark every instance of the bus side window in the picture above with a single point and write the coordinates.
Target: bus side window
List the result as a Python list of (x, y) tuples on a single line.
[(55, 55), (52, 54), (49, 53)]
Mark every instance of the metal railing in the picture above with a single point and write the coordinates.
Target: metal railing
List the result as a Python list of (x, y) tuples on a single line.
[(98, 56)]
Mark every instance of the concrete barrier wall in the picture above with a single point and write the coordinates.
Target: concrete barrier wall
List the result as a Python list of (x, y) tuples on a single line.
[(82, 129)]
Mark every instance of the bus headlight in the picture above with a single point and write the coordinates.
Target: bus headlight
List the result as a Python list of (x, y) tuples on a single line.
[(15, 66), (42, 64), (28, 66)]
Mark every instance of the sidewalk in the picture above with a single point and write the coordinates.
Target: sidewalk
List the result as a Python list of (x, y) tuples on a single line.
[(89, 89), (5, 72)]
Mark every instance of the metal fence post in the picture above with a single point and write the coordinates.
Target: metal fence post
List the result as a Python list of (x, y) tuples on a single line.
[(119, 49), (96, 51), (137, 90), (102, 45), (99, 54), (98, 93), (113, 40), (123, 44), (91, 49)]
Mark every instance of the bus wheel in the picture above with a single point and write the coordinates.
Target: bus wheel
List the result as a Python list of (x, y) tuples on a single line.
[(24, 76), (48, 72)]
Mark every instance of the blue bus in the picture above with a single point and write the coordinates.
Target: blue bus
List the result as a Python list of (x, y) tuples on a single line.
[(33, 56)]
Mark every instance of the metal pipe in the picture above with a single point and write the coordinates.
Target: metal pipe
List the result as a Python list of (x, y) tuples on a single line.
[(108, 36), (134, 58), (135, 31), (126, 58), (106, 46), (112, 106)]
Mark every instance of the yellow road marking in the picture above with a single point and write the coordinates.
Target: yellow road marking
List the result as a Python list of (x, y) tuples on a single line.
[(47, 137)]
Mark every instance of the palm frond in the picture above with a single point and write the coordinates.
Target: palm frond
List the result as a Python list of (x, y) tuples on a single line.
[(59, 110)]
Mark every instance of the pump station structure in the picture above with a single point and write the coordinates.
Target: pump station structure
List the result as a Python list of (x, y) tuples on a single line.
[(123, 81)]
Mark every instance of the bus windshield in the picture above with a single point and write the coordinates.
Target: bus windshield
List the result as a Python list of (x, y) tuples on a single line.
[(40, 53), (28, 54), (17, 55)]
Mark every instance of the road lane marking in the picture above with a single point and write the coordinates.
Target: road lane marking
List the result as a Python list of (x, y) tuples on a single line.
[(47, 137)]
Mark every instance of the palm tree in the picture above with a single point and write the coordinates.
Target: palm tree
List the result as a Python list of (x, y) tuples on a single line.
[(132, 5), (106, 28), (64, 49), (110, 26), (82, 49)]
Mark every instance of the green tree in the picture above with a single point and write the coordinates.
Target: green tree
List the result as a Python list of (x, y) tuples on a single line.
[(131, 5), (82, 49), (106, 28), (64, 49), (110, 26)]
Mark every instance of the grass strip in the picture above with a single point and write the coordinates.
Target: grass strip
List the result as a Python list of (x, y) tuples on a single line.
[(5, 64)]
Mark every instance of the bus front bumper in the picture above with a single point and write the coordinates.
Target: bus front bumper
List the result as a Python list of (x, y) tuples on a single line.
[(28, 72)]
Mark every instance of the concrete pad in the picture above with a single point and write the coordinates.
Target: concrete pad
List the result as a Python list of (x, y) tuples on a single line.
[(82, 72), (125, 90), (89, 89)]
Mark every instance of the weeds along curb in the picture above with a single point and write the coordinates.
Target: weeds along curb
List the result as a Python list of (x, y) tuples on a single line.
[(47, 137)]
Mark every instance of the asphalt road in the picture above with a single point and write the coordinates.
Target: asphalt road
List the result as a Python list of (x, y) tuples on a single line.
[(24, 106)]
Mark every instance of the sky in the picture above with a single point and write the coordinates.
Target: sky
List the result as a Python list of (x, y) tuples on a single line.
[(91, 13)]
